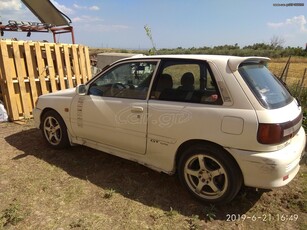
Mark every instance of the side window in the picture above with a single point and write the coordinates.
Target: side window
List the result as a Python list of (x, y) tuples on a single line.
[(129, 80), (186, 81)]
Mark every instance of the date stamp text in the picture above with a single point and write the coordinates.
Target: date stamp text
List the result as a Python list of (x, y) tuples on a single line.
[(263, 217)]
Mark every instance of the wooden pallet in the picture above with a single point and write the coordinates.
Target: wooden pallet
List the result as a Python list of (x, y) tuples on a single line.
[(30, 69)]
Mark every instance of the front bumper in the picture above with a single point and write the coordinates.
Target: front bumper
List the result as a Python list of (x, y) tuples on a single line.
[(271, 169), (36, 115)]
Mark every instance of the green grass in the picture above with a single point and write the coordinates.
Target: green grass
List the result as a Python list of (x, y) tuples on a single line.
[(211, 212), (11, 215), (109, 193), (171, 212)]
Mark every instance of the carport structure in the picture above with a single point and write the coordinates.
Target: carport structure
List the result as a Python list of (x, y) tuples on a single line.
[(51, 20)]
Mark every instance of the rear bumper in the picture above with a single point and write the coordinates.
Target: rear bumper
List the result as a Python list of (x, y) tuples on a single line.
[(271, 169)]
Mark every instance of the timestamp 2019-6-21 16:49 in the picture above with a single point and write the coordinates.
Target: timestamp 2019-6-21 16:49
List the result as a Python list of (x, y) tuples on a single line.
[(262, 217)]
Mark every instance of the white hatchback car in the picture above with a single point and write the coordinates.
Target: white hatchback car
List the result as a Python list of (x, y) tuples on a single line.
[(220, 122)]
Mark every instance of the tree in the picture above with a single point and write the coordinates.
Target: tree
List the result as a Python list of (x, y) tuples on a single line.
[(277, 42)]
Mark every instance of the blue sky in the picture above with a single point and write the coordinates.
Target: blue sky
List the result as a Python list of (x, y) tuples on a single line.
[(174, 23)]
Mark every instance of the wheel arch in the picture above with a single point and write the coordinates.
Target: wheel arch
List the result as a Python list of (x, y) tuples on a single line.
[(187, 144), (63, 140), (45, 110), (219, 187)]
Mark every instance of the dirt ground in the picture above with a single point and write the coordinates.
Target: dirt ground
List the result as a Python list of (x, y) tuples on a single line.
[(81, 188)]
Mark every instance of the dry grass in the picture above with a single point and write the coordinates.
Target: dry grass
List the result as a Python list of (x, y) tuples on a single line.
[(80, 188), (293, 60), (296, 69)]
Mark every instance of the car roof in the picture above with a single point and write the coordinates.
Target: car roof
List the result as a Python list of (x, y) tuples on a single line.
[(232, 61)]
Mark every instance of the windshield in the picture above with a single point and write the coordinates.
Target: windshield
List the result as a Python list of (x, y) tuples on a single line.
[(269, 91)]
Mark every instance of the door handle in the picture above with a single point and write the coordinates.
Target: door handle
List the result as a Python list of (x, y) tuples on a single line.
[(137, 109)]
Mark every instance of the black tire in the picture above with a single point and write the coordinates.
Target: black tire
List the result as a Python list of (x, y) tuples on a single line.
[(54, 130), (210, 174)]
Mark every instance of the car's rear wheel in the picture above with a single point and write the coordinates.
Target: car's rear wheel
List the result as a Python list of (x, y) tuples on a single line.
[(54, 130), (210, 174)]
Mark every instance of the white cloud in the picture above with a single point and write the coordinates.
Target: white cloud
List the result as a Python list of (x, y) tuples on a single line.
[(88, 27), (15, 10), (76, 19), (63, 8), (86, 18), (86, 7), (299, 21), (79, 7), (275, 25), (10, 5), (108, 28), (94, 8)]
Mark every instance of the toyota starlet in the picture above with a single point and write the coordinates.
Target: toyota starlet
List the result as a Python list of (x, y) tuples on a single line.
[(219, 122)]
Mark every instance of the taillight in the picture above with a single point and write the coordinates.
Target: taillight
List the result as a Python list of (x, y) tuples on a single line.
[(269, 133), (278, 133)]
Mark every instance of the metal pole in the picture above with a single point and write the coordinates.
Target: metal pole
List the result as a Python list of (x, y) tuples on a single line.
[(302, 82), (72, 35), (54, 37)]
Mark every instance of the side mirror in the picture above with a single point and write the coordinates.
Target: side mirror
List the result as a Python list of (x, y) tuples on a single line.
[(81, 89)]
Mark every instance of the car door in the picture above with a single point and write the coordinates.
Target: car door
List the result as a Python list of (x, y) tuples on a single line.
[(114, 110), (184, 97)]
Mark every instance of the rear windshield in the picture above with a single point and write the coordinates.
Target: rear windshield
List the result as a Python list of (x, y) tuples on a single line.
[(269, 91)]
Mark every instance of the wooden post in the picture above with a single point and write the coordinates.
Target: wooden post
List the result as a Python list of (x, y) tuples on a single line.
[(21, 74), (50, 67), (82, 64), (76, 66), (41, 68), (32, 73), (8, 71), (302, 83), (68, 66), (58, 57), (88, 64)]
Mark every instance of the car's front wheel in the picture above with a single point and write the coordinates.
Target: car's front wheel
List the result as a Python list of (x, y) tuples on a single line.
[(209, 173), (54, 130)]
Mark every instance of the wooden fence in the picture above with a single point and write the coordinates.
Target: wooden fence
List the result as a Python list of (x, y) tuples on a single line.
[(30, 69)]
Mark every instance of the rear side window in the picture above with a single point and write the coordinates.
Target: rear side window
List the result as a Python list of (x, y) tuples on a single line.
[(186, 81), (269, 91)]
